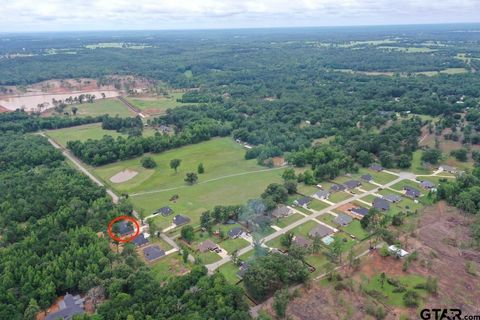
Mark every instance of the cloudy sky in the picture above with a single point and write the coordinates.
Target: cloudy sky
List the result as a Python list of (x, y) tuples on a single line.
[(65, 15)]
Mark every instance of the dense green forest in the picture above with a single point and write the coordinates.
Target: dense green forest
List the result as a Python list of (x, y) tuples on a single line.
[(49, 217)]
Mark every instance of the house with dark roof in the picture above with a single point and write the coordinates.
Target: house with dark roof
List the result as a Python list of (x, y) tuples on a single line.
[(376, 167), (321, 194), (207, 245), (342, 219), (427, 184), (67, 308), (242, 270), (179, 220), (411, 192), (337, 188), (366, 177), (303, 202), (352, 184), (359, 211), (152, 253), (125, 227), (393, 198), (280, 212), (140, 240), (320, 231), (165, 211), (381, 204), (302, 242), (236, 232)]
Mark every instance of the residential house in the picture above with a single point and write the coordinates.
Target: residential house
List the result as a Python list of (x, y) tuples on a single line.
[(411, 192), (427, 184), (153, 253), (236, 232), (302, 242), (165, 211), (381, 204), (361, 212), (376, 167), (303, 202), (352, 184), (322, 194), (280, 212), (337, 188), (207, 245), (320, 231), (393, 198), (343, 219), (242, 270), (178, 220), (125, 228), (447, 168), (141, 240), (67, 308), (366, 177)]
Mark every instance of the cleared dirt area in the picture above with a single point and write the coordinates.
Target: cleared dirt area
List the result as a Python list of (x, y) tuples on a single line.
[(347, 207), (123, 176), (444, 245)]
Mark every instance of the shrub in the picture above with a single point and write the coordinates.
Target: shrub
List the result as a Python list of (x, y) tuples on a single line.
[(148, 163), (410, 299)]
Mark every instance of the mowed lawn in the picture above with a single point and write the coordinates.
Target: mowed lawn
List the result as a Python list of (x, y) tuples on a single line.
[(220, 157), (83, 133), (157, 105), (112, 107)]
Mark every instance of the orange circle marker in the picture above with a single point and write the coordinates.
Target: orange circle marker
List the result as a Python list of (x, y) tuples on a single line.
[(128, 239)]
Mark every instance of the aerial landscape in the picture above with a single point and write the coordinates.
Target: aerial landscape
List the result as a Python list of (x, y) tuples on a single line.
[(232, 169)]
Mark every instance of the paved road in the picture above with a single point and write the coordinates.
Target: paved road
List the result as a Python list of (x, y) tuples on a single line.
[(401, 176)]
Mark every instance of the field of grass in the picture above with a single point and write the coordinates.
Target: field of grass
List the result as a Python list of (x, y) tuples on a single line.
[(318, 205), (417, 166), (208, 257), (282, 223), (168, 267), (399, 185), (99, 107), (379, 177), (231, 245), (229, 271), (339, 196), (83, 133), (389, 296), (354, 228), (157, 105)]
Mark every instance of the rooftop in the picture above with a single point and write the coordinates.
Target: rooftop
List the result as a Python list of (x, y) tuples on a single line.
[(320, 231), (140, 240), (343, 219), (352, 184), (235, 232), (179, 220), (360, 211), (68, 307), (153, 252), (303, 201), (381, 204), (207, 245)]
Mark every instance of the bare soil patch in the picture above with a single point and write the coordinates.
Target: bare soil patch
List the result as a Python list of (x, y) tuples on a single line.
[(444, 246), (123, 176), (346, 207)]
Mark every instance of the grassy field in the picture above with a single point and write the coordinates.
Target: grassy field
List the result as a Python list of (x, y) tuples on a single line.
[(339, 196), (82, 133), (228, 179), (318, 205), (231, 245), (282, 223), (168, 267), (379, 177), (229, 271), (112, 107), (157, 105), (417, 166), (354, 228)]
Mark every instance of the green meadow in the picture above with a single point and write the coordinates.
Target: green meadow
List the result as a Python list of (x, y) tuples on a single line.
[(99, 107), (83, 133)]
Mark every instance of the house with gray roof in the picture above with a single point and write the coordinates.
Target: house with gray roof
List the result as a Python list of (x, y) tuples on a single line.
[(411, 192), (366, 177), (321, 194), (125, 227), (207, 245), (153, 253), (303, 202), (448, 168), (427, 184), (165, 211), (381, 204), (376, 167), (393, 198), (179, 220), (302, 242), (342, 219), (236, 232), (280, 212), (360, 211), (320, 231), (67, 308), (140, 240), (352, 184), (337, 188), (242, 270)]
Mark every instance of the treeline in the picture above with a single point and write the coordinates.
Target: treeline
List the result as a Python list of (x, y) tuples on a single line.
[(49, 218), (108, 149)]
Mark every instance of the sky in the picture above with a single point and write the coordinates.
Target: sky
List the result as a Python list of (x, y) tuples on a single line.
[(72, 15)]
